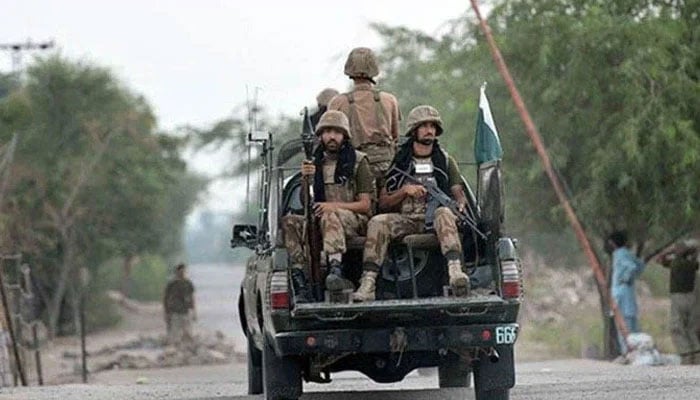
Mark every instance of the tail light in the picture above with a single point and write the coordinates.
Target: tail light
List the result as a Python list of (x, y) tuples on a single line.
[(511, 280), (279, 292)]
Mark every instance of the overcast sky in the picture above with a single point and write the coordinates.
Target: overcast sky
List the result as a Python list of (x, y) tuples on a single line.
[(193, 60)]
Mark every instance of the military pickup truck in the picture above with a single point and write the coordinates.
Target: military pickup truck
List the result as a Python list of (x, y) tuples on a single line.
[(414, 323)]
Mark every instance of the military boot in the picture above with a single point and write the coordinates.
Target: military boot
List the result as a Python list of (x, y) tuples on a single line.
[(368, 284), (335, 281), (302, 293), (459, 281)]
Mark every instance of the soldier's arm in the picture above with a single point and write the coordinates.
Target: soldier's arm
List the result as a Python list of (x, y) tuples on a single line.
[(388, 201), (455, 181), (395, 118)]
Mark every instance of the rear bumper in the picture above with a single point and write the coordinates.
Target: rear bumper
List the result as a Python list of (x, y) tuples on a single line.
[(428, 338)]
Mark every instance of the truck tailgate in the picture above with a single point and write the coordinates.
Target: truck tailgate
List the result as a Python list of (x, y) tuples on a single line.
[(477, 307)]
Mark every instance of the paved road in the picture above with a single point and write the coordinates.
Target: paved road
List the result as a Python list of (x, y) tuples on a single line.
[(556, 380), (217, 291)]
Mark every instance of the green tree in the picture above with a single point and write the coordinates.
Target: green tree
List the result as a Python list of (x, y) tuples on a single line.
[(92, 179)]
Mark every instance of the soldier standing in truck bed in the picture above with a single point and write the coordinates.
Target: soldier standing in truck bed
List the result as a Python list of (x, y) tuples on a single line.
[(373, 114)]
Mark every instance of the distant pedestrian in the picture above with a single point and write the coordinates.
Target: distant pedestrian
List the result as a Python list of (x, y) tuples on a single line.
[(682, 260), (626, 269), (178, 305)]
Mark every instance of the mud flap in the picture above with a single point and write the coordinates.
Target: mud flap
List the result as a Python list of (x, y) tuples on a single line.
[(490, 375)]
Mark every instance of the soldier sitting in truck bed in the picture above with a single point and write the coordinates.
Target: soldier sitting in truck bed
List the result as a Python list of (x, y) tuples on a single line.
[(423, 158), (342, 183)]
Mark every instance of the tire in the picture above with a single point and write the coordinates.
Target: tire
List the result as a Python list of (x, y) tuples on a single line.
[(255, 373), (496, 394), (454, 376), (281, 375)]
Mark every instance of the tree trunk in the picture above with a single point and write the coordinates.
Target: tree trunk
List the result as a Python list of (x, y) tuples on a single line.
[(129, 262), (54, 308)]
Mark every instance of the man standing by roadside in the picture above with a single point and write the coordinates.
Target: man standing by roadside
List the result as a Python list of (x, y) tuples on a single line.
[(682, 260), (626, 268), (178, 305), (373, 114)]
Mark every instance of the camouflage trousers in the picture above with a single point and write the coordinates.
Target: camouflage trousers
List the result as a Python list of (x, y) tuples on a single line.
[(682, 323), (383, 228), (335, 227)]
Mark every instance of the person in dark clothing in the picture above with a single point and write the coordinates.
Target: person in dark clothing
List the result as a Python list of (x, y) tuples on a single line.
[(178, 305), (682, 260)]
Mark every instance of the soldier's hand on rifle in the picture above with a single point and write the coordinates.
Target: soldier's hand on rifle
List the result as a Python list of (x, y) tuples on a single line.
[(325, 207), (307, 168), (462, 207), (415, 191)]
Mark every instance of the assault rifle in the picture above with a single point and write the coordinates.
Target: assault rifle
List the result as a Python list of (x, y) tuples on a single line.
[(311, 229), (438, 198)]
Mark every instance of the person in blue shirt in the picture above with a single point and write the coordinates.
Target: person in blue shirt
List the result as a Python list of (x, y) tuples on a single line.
[(626, 268)]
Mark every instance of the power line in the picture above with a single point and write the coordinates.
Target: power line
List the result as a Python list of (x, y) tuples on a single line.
[(16, 49)]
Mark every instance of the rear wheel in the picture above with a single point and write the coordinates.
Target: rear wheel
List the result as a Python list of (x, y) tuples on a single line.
[(281, 375), (255, 374)]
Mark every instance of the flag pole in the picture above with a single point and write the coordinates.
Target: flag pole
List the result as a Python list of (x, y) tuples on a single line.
[(536, 139)]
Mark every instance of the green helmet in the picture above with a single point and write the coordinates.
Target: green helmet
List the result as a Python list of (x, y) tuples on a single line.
[(421, 114), (361, 63), (334, 119), (325, 96)]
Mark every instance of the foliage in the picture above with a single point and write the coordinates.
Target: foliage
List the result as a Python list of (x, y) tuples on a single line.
[(92, 180), (612, 86), (146, 283)]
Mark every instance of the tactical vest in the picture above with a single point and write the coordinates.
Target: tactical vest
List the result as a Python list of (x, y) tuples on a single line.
[(340, 192), (424, 172), (379, 152)]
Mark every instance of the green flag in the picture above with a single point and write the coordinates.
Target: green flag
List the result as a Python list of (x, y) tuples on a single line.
[(487, 145)]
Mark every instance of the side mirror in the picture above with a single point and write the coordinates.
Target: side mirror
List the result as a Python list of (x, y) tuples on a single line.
[(244, 236)]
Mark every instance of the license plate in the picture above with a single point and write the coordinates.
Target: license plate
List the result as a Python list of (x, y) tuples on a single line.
[(506, 334)]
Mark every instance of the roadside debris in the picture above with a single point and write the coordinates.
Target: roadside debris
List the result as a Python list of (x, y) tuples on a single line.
[(147, 352)]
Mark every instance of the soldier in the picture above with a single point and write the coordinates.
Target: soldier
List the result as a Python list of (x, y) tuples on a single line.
[(342, 185), (374, 115), (322, 100), (178, 304), (422, 157), (683, 263)]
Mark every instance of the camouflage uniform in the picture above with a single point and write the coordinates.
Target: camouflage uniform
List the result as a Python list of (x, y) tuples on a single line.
[(374, 115), (383, 228), (335, 226)]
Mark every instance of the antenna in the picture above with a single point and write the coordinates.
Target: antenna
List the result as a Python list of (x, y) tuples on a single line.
[(252, 128)]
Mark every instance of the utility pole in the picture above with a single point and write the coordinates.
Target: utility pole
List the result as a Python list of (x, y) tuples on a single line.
[(17, 48)]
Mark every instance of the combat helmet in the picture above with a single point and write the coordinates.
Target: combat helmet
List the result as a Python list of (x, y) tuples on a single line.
[(361, 63), (421, 114), (334, 119), (325, 96)]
